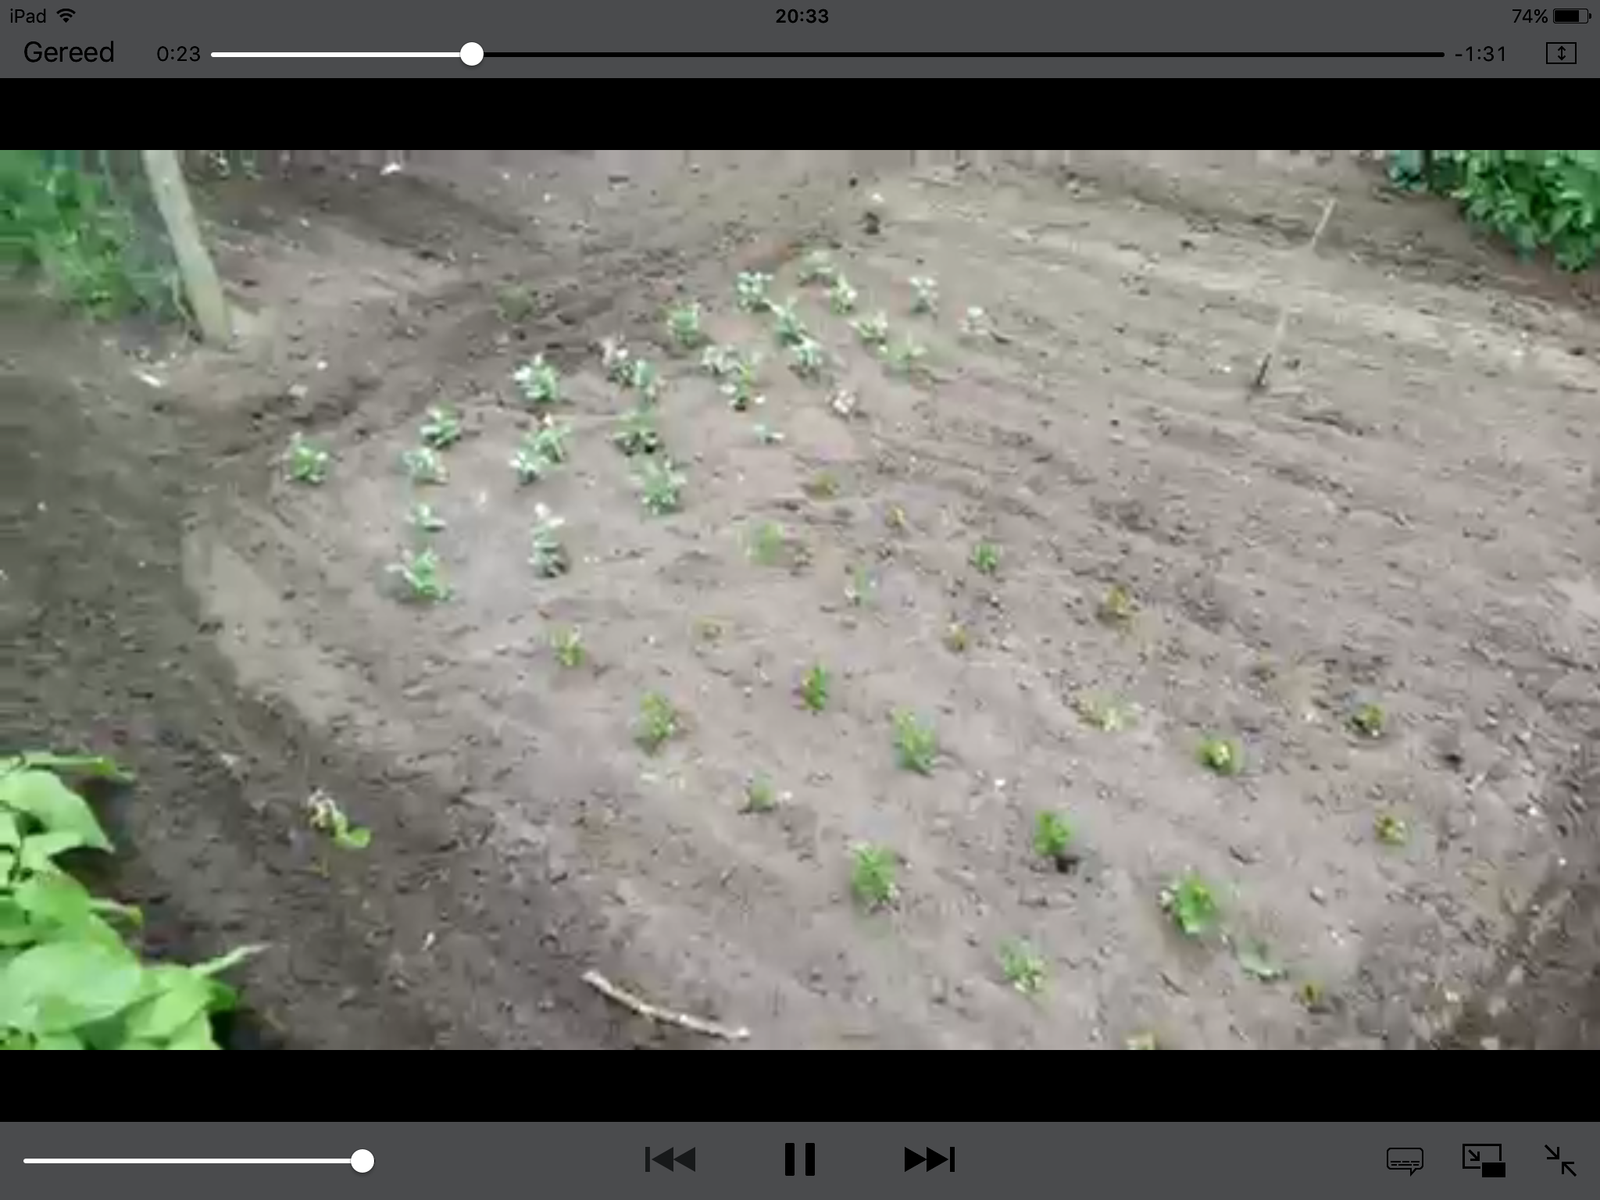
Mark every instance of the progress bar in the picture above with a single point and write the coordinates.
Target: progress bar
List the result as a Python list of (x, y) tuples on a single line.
[(471, 54), (361, 1161)]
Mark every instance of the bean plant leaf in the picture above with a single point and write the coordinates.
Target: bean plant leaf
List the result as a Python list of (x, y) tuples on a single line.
[(171, 998), (39, 852), (51, 803), (60, 986)]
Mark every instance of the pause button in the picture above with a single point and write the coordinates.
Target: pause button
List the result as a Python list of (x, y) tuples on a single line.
[(788, 1158)]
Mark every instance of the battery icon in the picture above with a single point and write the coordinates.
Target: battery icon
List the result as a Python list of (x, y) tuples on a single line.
[(1571, 16)]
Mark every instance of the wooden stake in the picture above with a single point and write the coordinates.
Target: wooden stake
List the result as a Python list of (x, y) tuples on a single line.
[(200, 282), (645, 1009), (1260, 380)]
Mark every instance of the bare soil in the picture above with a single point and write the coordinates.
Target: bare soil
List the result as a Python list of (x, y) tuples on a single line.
[(1405, 517)]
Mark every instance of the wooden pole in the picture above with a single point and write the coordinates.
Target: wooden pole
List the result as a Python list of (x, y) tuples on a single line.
[(200, 282)]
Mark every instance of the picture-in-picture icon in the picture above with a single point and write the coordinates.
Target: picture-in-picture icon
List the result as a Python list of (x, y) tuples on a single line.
[(1404, 1158), (1484, 1157)]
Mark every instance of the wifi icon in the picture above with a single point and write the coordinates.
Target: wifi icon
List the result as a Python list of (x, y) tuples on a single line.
[(66, 14)]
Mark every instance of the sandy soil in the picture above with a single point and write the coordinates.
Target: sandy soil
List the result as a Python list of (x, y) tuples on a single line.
[(1406, 518)]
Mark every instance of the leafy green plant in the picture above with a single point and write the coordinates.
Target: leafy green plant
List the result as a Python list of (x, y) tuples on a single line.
[(1023, 967), (539, 382), (861, 588), (916, 744), (1219, 755), (767, 544), (616, 360), (872, 877), (844, 403), (904, 356), (549, 554), (529, 466), (768, 436), (639, 434), (750, 291), (425, 465), (327, 817), (305, 461), (873, 331), (824, 485), (541, 451), (569, 648), (686, 326), (817, 267), (842, 297), (927, 294), (441, 428), (986, 558), (419, 573), (1192, 905), (975, 322), (808, 359), (789, 329), (661, 487), (424, 519), (659, 723), (515, 302), (956, 639), (717, 361), (740, 385), (68, 980), (1141, 1041), (1368, 721), (1391, 830), (646, 380), (1052, 840), (814, 688), (1117, 606), (758, 795), (1256, 960), (1104, 715)]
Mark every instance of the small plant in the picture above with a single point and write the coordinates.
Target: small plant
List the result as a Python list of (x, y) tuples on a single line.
[(814, 688), (538, 381), (515, 302), (975, 322), (916, 744), (425, 519), (790, 330), (927, 294), (986, 558), (768, 436), (325, 816), (661, 487), (758, 795), (844, 403), (646, 380), (1052, 840), (305, 461), (808, 359), (903, 357), (1141, 1041), (638, 434), (569, 648), (1256, 960), (1104, 715), (895, 519), (616, 360), (872, 877), (549, 557), (873, 331), (1116, 607), (861, 588), (740, 385), (441, 428), (529, 466), (425, 465), (750, 291), (658, 723), (549, 441), (1368, 721), (824, 485), (1391, 830), (955, 638), (767, 544), (1192, 906), (817, 267), (717, 360), (686, 326), (842, 297), (1023, 967), (419, 572), (1219, 755)]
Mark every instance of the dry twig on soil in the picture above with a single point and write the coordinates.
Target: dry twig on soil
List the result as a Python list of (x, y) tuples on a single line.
[(645, 1009), (1260, 381)]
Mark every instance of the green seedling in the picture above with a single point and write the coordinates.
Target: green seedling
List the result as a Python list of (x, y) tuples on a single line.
[(661, 487), (569, 648), (758, 795), (424, 518), (1220, 755), (686, 327), (817, 267), (1314, 997), (895, 519), (842, 297), (808, 359), (740, 385), (768, 436), (1257, 962), (708, 629), (975, 322), (659, 723), (844, 403), (646, 380), (717, 361), (814, 688), (441, 428), (1192, 906), (549, 441), (425, 465), (916, 744), (616, 360), (927, 294), (515, 303), (789, 329), (1391, 830), (549, 557), (955, 638), (873, 331), (1141, 1041), (638, 434), (305, 461), (1023, 967), (325, 816), (538, 381), (1104, 715), (419, 572), (861, 588), (1117, 606), (986, 558), (904, 356), (872, 877), (529, 466), (824, 485), (750, 291), (1368, 721), (767, 544), (1052, 840)]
